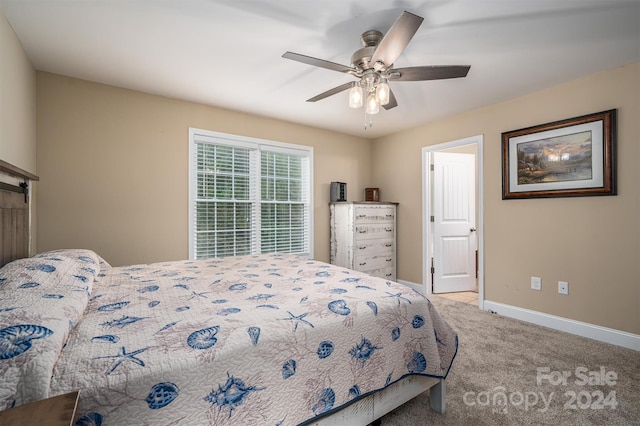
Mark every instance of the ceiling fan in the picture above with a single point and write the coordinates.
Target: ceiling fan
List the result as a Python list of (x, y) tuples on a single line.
[(372, 65)]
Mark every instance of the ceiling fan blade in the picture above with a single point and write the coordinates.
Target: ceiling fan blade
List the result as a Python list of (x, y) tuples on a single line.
[(331, 92), (392, 101), (435, 72), (317, 62), (396, 39)]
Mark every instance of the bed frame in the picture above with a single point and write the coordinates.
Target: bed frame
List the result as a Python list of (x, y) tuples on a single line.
[(372, 407), (14, 244)]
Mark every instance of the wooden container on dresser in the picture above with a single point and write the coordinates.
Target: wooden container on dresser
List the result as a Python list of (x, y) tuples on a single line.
[(363, 237)]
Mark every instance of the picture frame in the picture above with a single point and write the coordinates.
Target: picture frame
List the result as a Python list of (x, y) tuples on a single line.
[(567, 158)]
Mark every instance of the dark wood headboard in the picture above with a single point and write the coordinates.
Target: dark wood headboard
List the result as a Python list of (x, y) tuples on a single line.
[(15, 232)]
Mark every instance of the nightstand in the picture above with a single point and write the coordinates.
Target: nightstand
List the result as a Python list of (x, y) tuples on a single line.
[(55, 411)]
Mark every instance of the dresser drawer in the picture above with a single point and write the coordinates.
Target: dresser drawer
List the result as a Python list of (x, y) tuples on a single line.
[(387, 273), (374, 214), (365, 264), (368, 248), (369, 232)]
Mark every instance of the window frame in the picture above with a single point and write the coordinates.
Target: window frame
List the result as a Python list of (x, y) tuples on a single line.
[(196, 135)]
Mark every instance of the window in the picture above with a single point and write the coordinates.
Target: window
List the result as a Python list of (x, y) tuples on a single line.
[(248, 196)]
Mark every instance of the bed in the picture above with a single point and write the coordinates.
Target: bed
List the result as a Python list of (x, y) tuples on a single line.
[(272, 339)]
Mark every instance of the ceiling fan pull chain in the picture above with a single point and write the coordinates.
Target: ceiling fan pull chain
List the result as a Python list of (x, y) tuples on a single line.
[(368, 121)]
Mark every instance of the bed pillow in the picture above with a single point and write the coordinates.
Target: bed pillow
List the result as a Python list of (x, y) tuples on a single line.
[(41, 300)]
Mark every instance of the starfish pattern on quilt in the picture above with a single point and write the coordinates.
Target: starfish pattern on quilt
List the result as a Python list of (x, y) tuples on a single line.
[(123, 356), (297, 320)]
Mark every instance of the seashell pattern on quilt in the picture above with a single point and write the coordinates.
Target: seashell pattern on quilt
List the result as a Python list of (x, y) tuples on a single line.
[(265, 339)]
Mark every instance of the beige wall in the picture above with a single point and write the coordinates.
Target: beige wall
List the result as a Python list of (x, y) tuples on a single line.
[(17, 102), (17, 106), (591, 242), (113, 165)]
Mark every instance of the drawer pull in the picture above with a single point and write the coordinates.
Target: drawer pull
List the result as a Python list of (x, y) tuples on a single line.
[(388, 245), (363, 263), (388, 260), (362, 247)]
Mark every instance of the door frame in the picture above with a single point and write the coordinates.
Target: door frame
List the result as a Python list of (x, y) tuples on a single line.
[(426, 208)]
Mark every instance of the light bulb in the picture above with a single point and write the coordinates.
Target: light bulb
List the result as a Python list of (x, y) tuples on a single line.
[(382, 92), (355, 96), (372, 104)]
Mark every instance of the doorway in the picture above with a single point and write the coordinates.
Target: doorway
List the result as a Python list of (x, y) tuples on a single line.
[(452, 217)]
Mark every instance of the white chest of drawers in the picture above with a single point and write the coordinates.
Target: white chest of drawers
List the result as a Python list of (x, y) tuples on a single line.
[(363, 237)]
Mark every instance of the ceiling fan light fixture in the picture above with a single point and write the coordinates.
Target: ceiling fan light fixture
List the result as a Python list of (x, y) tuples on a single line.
[(356, 96), (382, 91), (372, 107)]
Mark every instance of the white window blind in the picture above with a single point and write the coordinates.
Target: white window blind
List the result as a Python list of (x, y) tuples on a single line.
[(248, 196)]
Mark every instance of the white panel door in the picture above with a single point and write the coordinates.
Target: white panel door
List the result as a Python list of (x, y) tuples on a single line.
[(454, 236)]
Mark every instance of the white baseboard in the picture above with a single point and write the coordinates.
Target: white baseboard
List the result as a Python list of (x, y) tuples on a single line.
[(596, 332), (591, 331), (417, 287)]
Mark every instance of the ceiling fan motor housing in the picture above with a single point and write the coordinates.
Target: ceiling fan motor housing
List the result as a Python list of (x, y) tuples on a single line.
[(361, 57)]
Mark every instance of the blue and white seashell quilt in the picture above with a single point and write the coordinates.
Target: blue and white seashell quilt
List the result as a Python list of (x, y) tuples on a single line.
[(268, 339)]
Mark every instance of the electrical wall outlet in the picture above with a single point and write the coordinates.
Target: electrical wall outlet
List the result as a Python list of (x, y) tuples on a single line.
[(563, 287), (536, 283)]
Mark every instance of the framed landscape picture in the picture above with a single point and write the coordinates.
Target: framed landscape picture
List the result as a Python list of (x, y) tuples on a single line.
[(567, 158)]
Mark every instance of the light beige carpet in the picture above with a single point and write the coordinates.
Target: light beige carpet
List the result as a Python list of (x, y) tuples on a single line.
[(509, 372)]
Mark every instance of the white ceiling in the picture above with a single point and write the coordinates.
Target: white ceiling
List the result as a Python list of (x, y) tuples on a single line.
[(228, 53)]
